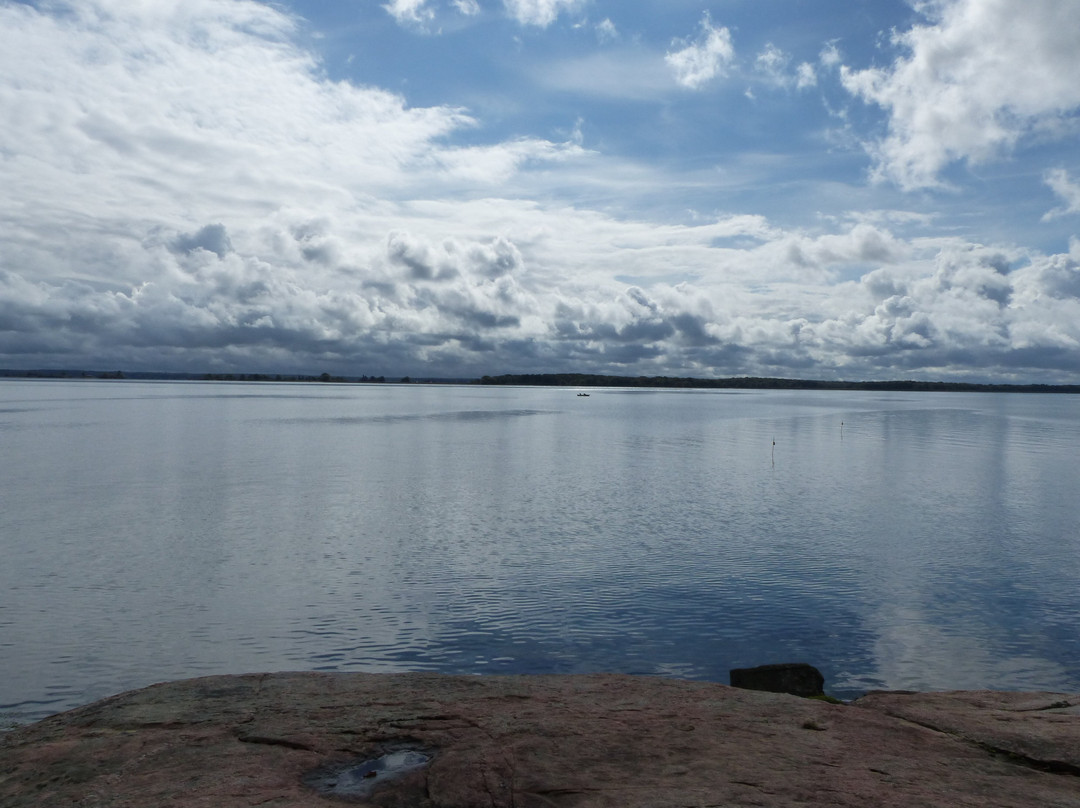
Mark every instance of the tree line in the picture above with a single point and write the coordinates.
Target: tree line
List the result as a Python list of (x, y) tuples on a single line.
[(763, 383)]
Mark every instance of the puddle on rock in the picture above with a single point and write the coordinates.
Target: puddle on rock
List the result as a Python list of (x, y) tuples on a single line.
[(359, 778)]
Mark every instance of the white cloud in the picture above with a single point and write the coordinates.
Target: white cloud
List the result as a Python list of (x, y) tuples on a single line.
[(490, 165), (183, 127), (830, 56), (972, 84), (773, 63), (541, 13), (774, 66), (606, 30), (470, 8), (805, 76), (420, 14), (1061, 184), (410, 11), (704, 58)]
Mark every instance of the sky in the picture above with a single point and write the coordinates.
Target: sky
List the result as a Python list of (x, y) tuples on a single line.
[(834, 189)]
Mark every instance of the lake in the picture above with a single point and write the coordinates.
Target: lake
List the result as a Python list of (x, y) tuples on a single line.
[(160, 530)]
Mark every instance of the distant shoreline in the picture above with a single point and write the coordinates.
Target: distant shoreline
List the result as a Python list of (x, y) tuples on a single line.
[(765, 383), (563, 380)]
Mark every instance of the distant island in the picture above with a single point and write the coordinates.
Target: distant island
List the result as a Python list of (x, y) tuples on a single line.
[(762, 383), (560, 380), (184, 377)]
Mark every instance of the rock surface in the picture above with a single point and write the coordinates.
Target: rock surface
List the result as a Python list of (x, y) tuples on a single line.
[(535, 742)]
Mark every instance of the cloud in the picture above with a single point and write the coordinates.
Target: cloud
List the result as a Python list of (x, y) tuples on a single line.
[(774, 66), (805, 76), (212, 238), (420, 15), (778, 304), (184, 188), (982, 76), (606, 30), (190, 128), (470, 8), (772, 62), (410, 11), (452, 258), (541, 13), (959, 306), (162, 109), (1061, 184), (490, 165), (830, 56), (704, 58)]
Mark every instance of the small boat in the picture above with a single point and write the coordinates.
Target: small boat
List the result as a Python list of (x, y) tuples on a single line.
[(583, 394)]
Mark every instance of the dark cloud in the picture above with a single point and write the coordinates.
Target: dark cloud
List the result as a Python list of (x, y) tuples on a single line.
[(1060, 277), (693, 329), (403, 249), (213, 238), (966, 309)]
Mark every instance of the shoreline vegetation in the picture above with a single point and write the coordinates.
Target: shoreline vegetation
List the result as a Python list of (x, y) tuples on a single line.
[(565, 380), (764, 383), (189, 377)]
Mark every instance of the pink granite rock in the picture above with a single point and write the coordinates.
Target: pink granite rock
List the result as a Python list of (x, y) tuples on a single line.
[(536, 742), (1040, 728)]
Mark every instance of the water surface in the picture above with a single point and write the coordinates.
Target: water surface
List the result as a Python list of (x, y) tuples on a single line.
[(158, 530)]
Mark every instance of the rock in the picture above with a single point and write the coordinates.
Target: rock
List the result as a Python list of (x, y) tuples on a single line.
[(1039, 729), (795, 678), (304, 739)]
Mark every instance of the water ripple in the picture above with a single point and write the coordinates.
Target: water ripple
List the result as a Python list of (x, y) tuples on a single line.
[(931, 543)]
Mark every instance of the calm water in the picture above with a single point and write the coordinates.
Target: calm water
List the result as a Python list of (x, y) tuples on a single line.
[(152, 531)]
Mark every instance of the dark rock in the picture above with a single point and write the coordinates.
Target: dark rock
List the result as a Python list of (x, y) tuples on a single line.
[(796, 678)]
